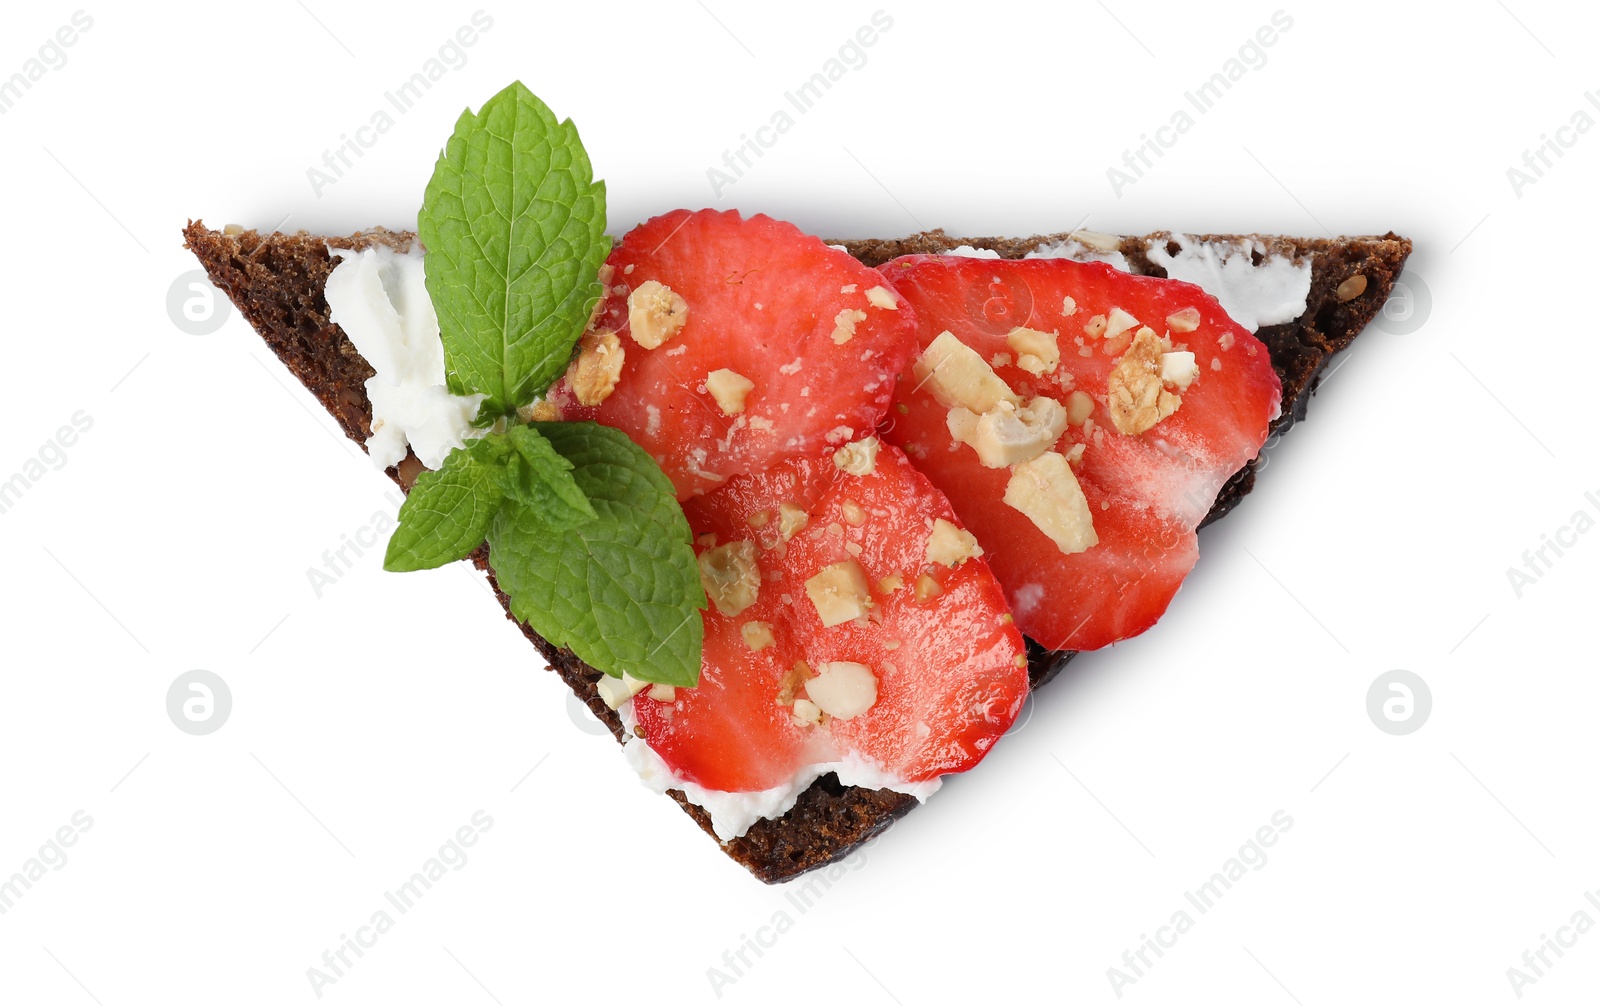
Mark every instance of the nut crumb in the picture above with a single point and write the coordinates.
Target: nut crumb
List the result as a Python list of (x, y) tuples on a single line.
[(1351, 288), (594, 373), (1135, 395)]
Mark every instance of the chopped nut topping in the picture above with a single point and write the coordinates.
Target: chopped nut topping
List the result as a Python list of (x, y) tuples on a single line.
[(956, 375), (655, 314), (1186, 320), (848, 288), (1036, 351), (844, 325), (1096, 240), (839, 592), (891, 583), (593, 375), (539, 412), (663, 693), (1351, 288), (615, 691), (1079, 407), (790, 520), (759, 518), (1119, 321), (859, 458), (729, 389), (789, 686), (1115, 344), (1135, 395), (730, 575), (949, 545), (880, 297), (1179, 369), (852, 513), (806, 713), (842, 689), (927, 589), (1005, 435), (1069, 307), (1046, 492), (757, 635)]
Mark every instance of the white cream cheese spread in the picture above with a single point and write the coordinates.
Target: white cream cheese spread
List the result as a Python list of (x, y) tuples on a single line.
[(732, 814), (379, 297)]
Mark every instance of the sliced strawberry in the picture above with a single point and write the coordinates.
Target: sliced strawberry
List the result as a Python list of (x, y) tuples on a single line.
[(798, 320), (1146, 491), (949, 664)]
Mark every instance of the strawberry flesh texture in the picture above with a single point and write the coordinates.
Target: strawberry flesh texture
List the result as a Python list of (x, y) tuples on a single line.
[(763, 301), (1147, 493), (951, 670)]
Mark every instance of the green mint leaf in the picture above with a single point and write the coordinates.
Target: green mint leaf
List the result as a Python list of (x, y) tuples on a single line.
[(514, 226), (541, 480), (622, 591), (448, 512)]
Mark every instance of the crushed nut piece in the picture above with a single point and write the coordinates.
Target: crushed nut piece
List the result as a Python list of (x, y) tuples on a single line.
[(839, 592), (956, 375), (1047, 492), (1186, 320), (792, 680), (859, 458), (1135, 396), (1119, 321), (842, 689), (949, 545), (730, 575), (757, 635), (1036, 351), (844, 325), (790, 520), (615, 691), (655, 314), (1079, 408), (594, 373), (880, 297), (729, 389), (806, 713)]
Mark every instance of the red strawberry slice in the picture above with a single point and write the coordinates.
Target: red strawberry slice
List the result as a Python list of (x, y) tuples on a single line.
[(949, 665), (818, 336), (1146, 491)]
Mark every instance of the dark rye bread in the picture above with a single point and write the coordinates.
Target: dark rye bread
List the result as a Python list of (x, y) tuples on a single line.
[(276, 282)]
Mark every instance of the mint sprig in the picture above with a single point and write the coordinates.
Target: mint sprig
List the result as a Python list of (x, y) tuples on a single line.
[(514, 224), (622, 591), (448, 512), (585, 533)]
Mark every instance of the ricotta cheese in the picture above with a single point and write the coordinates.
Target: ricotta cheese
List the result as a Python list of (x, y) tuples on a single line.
[(379, 298)]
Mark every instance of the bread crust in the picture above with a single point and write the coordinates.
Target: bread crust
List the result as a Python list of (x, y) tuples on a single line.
[(276, 281)]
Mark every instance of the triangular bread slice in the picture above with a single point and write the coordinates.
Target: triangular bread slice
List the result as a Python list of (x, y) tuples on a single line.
[(276, 282)]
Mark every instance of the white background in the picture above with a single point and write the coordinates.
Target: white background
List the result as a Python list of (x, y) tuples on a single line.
[(370, 723)]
